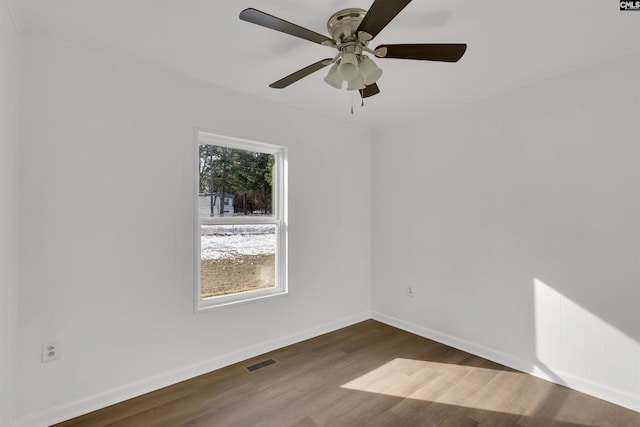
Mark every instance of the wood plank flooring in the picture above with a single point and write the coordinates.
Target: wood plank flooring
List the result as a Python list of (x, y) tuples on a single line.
[(369, 374)]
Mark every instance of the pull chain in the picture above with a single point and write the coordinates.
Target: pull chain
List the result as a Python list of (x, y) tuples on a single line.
[(361, 100)]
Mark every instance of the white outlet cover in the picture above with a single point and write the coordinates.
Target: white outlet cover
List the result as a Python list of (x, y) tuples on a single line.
[(50, 351)]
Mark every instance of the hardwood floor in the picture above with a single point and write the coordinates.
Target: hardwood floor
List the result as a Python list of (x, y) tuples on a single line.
[(369, 374)]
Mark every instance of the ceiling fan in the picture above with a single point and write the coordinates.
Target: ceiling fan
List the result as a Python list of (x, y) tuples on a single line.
[(351, 31)]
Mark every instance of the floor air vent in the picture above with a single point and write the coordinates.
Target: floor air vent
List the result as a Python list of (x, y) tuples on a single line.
[(259, 365)]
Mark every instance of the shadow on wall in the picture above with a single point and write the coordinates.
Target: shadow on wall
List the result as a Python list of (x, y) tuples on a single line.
[(573, 340)]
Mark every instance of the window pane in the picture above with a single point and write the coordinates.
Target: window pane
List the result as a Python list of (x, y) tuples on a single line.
[(235, 182), (236, 258), (241, 200)]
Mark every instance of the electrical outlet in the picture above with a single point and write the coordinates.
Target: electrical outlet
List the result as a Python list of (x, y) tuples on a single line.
[(51, 351), (410, 292)]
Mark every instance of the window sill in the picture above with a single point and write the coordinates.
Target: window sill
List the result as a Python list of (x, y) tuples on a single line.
[(239, 298)]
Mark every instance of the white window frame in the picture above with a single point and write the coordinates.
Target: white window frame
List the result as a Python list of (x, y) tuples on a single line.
[(278, 218)]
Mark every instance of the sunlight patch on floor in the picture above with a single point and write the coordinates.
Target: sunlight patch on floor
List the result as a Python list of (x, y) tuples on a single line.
[(488, 393), (436, 382)]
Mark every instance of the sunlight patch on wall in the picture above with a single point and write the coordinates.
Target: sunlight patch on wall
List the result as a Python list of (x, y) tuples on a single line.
[(571, 340)]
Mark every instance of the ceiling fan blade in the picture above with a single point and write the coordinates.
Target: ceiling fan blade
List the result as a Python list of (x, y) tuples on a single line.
[(380, 14), (304, 72), (370, 90), (425, 52), (260, 18)]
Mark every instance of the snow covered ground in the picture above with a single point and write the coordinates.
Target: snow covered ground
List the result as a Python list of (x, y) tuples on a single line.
[(231, 241)]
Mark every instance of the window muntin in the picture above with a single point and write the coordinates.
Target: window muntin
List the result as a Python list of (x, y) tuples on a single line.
[(241, 226)]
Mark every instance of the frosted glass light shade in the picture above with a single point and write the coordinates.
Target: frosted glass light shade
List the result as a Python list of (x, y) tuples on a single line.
[(332, 78), (370, 71), (348, 68), (356, 84)]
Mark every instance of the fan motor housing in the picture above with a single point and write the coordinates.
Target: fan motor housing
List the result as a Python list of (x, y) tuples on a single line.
[(343, 24)]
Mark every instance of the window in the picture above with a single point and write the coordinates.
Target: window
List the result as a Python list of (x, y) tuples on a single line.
[(241, 224)]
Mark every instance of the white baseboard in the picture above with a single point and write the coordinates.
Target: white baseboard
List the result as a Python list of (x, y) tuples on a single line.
[(584, 385), (92, 403)]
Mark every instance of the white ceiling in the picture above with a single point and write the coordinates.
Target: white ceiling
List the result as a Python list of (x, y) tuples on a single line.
[(510, 43)]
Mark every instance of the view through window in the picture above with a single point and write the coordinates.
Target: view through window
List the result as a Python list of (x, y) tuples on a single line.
[(240, 211)]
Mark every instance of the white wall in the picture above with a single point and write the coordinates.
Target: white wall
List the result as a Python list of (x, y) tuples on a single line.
[(116, 287), (520, 232), (9, 134)]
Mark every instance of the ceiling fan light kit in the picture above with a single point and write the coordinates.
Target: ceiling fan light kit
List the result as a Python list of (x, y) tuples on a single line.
[(354, 67), (351, 31)]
